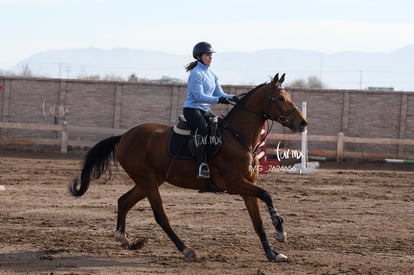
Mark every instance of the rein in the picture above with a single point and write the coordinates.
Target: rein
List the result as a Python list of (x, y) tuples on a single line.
[(223, 123)]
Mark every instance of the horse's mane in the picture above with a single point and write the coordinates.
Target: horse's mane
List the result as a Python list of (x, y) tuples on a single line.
[(245, 96)]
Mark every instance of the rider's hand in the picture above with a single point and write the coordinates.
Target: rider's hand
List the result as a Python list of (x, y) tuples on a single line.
[(235, 99), (223, 100)]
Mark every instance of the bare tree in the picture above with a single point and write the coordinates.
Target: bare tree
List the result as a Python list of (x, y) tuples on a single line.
[(133, 78), (312, 82), (26, 72)]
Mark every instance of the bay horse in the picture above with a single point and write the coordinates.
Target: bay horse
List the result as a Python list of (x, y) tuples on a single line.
[(142, 153)]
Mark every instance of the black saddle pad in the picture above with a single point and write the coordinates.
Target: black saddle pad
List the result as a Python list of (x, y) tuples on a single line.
[(180, 146)]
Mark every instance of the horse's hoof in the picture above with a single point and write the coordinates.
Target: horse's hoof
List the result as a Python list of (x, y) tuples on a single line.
[(273, 256), (138, 244), (281, 258), (122, 238), (126, 243), (281, 236), (189, 254)]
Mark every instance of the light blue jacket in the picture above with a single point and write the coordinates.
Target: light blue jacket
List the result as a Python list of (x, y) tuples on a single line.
[(203, 88)]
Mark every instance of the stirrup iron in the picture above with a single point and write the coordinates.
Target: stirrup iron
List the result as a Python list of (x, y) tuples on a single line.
[(203, 171)]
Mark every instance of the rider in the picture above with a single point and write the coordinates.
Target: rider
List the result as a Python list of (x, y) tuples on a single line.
[(203, 90)]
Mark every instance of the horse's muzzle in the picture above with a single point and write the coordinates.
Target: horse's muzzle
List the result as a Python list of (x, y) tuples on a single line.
[(299, 124)]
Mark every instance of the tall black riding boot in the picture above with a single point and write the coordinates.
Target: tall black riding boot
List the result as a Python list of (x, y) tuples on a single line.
[(203, 171)]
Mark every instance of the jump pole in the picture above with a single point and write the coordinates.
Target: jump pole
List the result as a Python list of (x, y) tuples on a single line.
[(404, 161), (265, 165), (303, 168)]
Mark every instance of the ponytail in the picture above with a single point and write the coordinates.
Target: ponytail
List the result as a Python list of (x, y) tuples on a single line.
[(191, 66)]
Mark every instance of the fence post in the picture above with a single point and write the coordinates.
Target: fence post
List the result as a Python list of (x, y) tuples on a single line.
[(403, 119), (117, 106), (64, 138), (340, 147)]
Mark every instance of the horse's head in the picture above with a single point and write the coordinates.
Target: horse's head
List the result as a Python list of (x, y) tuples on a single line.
[(280, 107)]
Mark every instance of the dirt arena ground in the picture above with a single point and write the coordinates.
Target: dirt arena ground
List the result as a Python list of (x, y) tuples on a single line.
[(353, 218)]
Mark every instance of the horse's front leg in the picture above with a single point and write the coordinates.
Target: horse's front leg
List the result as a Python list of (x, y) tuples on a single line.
[(252, 205), (277, 220), (249, 189)]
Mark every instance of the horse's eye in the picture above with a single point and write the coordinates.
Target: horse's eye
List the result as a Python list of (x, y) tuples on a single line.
[(281, 98)]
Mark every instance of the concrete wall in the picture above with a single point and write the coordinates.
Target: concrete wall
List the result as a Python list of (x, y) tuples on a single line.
[(124, 105)]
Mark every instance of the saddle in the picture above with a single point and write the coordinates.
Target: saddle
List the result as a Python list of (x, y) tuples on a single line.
[(182, 141)]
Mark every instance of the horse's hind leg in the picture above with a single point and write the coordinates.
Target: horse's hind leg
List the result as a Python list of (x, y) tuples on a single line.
[(125, 203), (162, 219)]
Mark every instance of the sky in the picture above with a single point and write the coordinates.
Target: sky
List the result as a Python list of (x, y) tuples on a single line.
[(32, 26)]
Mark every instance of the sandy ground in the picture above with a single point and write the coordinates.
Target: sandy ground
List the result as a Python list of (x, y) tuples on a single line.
[(348, 219)]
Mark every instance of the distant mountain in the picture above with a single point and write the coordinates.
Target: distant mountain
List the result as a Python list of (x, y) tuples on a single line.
[(342, 70)]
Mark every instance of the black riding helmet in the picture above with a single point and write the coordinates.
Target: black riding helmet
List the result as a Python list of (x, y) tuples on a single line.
[(202, 47)]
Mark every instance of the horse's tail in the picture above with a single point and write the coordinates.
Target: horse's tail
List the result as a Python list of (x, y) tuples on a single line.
[(97, 162)]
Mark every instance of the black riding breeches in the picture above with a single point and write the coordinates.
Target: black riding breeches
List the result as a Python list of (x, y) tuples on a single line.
[(196, 120)]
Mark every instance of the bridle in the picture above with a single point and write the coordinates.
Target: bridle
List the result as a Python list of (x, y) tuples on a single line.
[(282, 119)]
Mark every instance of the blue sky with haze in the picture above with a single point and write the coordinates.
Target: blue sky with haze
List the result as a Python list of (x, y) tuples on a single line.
[(33, 26)]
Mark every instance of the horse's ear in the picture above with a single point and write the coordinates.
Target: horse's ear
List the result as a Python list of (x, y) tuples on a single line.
[(275, 79), (278, 81), (282, 78)]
